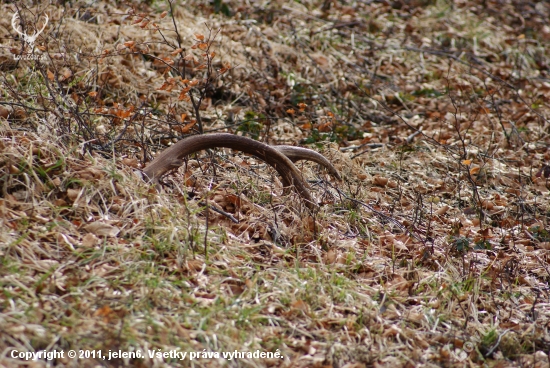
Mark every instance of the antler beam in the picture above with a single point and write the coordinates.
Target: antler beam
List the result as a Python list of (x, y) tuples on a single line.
[(279, 157)]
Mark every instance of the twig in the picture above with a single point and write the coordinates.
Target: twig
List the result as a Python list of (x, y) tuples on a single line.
[(219, 210)]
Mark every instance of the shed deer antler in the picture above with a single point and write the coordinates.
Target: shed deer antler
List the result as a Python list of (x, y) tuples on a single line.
[(279, 157), (28, 39), (298, 153)]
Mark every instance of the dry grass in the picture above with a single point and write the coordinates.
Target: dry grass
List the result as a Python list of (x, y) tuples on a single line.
[(433, 250)]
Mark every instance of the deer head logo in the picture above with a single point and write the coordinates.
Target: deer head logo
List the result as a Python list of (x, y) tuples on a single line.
[(28, 39)]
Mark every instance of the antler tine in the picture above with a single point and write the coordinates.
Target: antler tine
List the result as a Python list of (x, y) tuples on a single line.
[(44, 26), (172, 158), (300, 153), (13, 23)]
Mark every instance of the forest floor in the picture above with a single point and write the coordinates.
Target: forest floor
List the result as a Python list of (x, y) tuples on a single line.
[(433, 250)]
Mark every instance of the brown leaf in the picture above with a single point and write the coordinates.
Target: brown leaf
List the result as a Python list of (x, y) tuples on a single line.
[(102, 229), (330, 257), (187, 127), (89, 240), (73, 193), (4, 112), (380, 181), (443, 210), (474, 170), (300, 305), (132, 162), (103, 311)]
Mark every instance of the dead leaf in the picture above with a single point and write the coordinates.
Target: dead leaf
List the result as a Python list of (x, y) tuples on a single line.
[(300, 305), (72, 194), (380, 181), (330, 257), (89, 240), (443, 210), (132, 162), (102, 229)]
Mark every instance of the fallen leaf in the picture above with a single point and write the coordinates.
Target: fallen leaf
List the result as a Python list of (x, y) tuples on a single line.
[(102, 229)]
